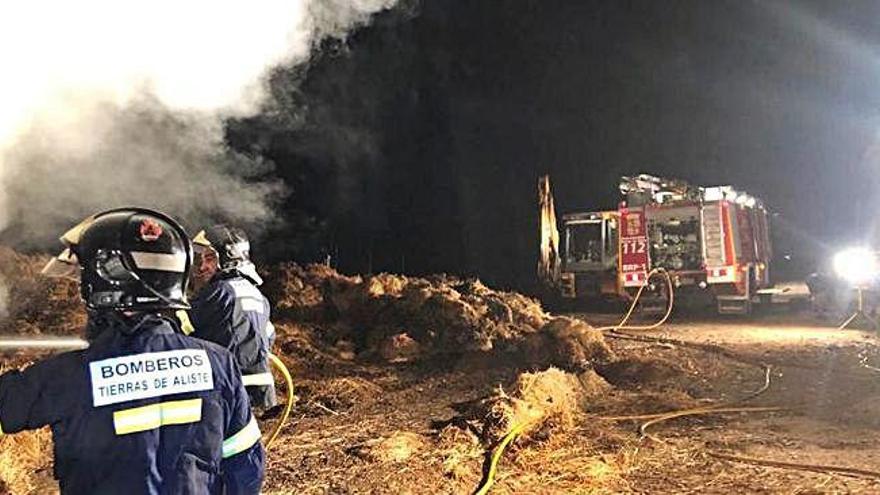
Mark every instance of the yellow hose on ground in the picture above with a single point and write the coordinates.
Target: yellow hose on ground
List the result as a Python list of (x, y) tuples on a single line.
[(489, 480), (697, 411), (815, 468), (643, 429), (279, 365), (632, 307), (727, 407), (655, 419), (517, 429)]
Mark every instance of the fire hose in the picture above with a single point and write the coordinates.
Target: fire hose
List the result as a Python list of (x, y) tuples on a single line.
[(670, 291), (619, 331), (518, 428), (288, 380), (654, 419), (496, 456)]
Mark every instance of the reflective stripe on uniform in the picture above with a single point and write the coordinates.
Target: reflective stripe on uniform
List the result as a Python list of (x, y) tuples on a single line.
[(270, 330), (156, 415), (258, 379), (243, 288), (252, 305), (186, 325), (243, 440), (250, 298)]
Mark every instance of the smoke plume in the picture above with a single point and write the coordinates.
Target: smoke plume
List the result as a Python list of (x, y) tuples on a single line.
[(106, 103)]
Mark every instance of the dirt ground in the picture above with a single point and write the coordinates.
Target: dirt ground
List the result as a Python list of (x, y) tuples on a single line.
[(367, 424), (831, 416)]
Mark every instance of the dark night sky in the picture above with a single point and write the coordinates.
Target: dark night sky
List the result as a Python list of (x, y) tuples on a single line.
[(417, 144)]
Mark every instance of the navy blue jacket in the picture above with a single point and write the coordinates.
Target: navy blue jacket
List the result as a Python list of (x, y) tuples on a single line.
[(143, 410), (232, 312)]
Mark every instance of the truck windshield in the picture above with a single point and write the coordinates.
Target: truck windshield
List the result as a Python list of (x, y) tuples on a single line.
[(584, 242)]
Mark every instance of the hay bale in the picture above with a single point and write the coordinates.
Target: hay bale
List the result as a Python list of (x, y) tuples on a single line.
[(441, 314), (544, 404), (556, 394), (567, 343), (299, 291), (550, 397), (552, 390)]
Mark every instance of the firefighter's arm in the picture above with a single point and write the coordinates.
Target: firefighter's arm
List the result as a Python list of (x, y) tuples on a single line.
[(211, 314), (32, 398), (243, 462)]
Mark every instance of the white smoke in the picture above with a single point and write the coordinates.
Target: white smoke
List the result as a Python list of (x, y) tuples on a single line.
[(108, 103)]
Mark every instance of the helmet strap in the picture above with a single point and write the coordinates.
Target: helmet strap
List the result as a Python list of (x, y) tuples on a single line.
[(152, 290)]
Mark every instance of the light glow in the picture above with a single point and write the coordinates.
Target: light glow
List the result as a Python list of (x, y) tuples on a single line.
[(857, 265)]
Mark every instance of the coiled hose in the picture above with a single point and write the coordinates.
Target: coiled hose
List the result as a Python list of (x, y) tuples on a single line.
[(670, 290)]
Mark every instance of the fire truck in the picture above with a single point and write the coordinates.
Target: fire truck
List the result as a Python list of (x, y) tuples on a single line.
[(713, 241)]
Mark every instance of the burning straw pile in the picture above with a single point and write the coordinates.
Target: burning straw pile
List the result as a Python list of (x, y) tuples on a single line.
[(396, 318)]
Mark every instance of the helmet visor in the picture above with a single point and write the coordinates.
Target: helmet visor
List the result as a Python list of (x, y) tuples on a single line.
[(65, 265)]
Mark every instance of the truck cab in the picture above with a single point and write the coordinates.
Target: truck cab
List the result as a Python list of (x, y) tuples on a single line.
[(589, 253)]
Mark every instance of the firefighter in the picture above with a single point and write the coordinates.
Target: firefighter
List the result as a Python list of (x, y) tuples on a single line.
[(230, 310), (145, 409)]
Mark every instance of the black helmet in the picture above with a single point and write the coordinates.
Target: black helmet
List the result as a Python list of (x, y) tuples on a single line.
[(233, 250), (129, 259), (231, 245)]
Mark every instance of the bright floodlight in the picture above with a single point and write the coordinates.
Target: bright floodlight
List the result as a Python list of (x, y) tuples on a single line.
[(856, 265)]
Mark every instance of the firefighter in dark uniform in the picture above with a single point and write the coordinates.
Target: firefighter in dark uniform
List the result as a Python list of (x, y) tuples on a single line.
[(230, 310), (144, 409)]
